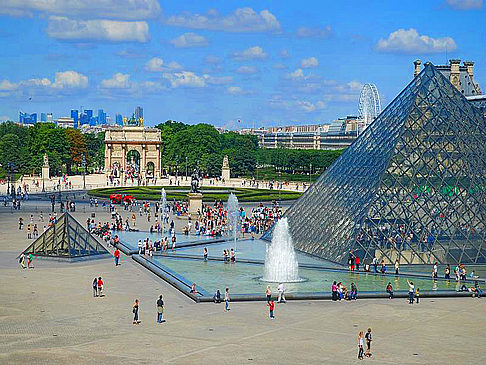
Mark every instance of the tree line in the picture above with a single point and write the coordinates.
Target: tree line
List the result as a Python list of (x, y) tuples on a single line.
[(24, 147), (184, 147)]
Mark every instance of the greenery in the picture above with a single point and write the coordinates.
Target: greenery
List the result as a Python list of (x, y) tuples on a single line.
[(209, 193), (271, 173), (25, 147)]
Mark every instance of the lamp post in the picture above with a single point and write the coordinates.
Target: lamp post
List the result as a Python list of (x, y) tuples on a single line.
[(84, 171), (310, 174), (176, 167), (186, 168)]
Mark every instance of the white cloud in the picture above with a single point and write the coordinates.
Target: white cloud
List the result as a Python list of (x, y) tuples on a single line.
[(104, 9), (70, 79), (212, 60), (247, 70), (309, 62), (219, 80), (189, 40), (65, 83), (252, 53), (235, 90), (242, 20), (310, 107), (156, 64), (297, 75), (465, 4), (118, 81), (107, 30), (185, 79), (411, 42), (309, 32)]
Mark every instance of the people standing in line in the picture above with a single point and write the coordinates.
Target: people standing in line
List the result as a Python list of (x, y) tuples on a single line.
[(271, 306), (117, 257), (100, 287), (281, 293), (22, 260), (369, 339), (360, 345), (268, 293), (227, 305), (411, 290), (397, 266), (95, 287), (135, 309), (389, 290), (160, 309)]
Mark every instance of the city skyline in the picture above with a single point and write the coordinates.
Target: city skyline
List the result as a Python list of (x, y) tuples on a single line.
[(260, 64)]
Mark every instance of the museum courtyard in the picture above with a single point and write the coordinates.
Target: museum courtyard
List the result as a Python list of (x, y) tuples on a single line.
[(49, 316)]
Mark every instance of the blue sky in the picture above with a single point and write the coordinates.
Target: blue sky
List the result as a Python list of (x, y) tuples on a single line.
[(263, 62)]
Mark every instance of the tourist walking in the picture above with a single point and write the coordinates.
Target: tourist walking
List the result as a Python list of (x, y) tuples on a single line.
[(160, 309), (22, 260), (271, 307), (227, 305), (268, 293), (100, 287), (205, 254), (389, 290), (117, 257), (135, 309), (281, 293), (369, 339), (411, 290), (95, 287), (30, 263), (360, 345)]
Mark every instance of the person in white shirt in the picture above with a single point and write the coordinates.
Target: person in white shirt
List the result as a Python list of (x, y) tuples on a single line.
[(140, 246), (281, 293)]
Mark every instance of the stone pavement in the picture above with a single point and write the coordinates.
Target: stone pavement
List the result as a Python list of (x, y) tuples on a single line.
[(48, 316)]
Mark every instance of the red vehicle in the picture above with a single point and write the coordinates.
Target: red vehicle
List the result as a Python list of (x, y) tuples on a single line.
[(121, 198)]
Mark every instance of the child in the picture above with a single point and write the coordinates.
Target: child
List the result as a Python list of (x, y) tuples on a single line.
[(417, 295), (271, 306), (360, 345)]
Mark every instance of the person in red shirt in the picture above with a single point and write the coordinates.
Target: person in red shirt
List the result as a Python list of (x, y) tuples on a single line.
[(271, 306), (357, 261), (117, 257), (100, 287)]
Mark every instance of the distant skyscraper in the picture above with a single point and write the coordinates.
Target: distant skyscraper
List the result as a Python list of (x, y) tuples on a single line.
[(49, 117), (43, 117), (27, 118), (138, 113), (101, 116), (119, 119), (75, 117)]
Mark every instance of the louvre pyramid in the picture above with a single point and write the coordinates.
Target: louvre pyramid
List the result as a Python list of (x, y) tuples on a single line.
[(66, 239), (412, 186)]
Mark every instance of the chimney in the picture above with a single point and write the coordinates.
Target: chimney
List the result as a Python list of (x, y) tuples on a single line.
[(470, 69), (454, 77), (417, 64)]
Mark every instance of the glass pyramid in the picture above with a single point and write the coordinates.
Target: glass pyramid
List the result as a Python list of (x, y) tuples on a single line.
[(66, 239), (412, 186)]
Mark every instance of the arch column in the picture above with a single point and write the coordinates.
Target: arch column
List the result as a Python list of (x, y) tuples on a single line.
[(143, 162)]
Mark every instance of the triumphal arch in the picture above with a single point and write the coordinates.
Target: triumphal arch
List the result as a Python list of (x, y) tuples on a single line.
[(133, 152)]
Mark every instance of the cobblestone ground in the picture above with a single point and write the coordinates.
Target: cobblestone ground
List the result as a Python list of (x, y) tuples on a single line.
[(48, 316)]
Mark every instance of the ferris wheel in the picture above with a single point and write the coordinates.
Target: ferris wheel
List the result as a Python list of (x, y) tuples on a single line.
[(369, 104)]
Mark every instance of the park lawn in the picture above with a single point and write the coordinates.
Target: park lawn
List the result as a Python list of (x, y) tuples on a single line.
[(209, 193)]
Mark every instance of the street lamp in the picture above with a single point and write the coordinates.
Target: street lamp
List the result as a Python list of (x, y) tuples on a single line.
[(310, 173), (186, 168), (176, 167), (84, 171)]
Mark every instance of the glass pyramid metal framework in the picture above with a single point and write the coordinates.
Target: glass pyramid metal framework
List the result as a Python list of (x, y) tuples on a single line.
[(68, 239), (412, 186)]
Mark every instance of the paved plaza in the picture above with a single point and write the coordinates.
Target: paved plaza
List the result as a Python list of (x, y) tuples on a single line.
[(49, 316)]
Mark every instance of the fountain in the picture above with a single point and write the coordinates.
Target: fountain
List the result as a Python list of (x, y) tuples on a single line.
[(163, 204), (233, 206), (280, 261)]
